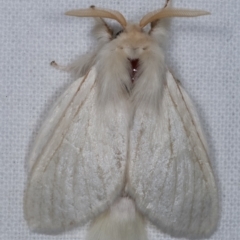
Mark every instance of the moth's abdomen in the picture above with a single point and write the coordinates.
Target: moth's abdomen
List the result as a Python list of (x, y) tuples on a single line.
[(121, 221)]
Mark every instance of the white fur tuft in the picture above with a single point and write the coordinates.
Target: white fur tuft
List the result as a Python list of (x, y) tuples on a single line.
[(121, 222), (83, 64), (160, 29), (148, 88), (102, 31)]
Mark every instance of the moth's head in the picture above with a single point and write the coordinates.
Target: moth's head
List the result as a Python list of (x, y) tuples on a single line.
[(132, 43), (132, 35)]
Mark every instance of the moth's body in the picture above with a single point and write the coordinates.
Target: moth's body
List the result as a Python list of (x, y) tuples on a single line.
[(123, 144)]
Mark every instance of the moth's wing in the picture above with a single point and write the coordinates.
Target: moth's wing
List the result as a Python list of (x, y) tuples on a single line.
[(78, 161), (170, 176)]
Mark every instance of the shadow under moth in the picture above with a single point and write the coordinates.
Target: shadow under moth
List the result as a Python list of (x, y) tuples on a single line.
[(123, 143)]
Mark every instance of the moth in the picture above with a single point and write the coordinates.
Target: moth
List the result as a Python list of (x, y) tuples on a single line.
[(123, 143)]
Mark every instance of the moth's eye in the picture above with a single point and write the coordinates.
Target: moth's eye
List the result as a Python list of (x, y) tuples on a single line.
[(118, 33)]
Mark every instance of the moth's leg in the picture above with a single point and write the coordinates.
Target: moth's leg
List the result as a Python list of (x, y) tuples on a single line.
[(60, 67)]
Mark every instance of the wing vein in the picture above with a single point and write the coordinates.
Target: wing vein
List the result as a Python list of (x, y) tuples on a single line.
[(75, 169), (51, 213), (192, 201), (185, 129), (175, 165), (66, 131), (84, 170), (57, 126), (186, 175), (201, 212), (167, 171), (192, 120)]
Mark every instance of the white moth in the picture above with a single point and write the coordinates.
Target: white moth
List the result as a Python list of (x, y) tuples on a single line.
[(123, 144)]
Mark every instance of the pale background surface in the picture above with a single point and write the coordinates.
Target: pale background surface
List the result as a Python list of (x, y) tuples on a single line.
[(203, 53)]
